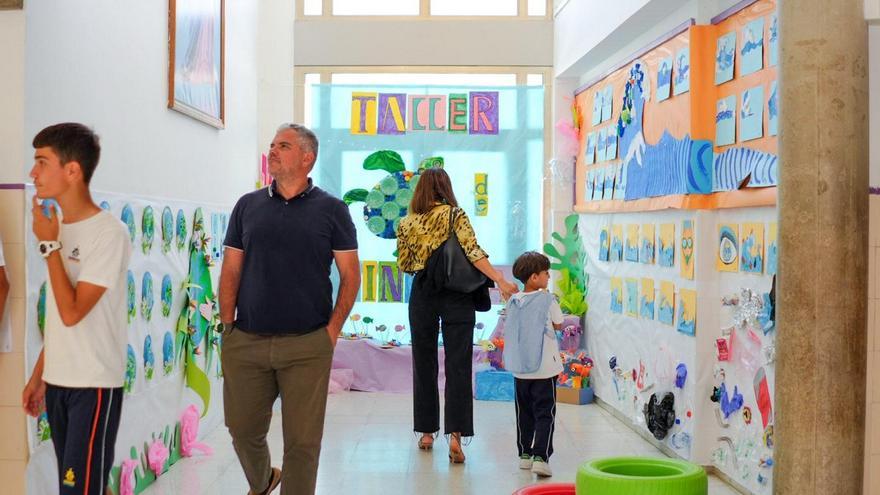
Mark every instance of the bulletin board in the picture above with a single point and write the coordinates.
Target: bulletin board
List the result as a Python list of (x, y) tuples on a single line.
[(666, 114)]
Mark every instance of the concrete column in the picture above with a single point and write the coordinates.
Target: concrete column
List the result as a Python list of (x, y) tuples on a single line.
[(823, 237)]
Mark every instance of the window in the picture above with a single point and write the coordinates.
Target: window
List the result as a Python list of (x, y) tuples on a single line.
[(313, 7), (424, 78), (375, 7), (311, 79), (534, 79), (537, 7), (476, 8), (426, 8)]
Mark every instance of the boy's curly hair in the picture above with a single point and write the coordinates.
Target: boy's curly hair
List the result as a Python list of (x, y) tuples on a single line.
[(529, 263)]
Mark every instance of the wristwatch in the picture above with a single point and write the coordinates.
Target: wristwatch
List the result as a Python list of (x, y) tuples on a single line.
[(48, 247), (223, 328)]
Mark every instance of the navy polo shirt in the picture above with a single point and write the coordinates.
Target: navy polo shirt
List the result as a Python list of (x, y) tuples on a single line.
[(288, 247)]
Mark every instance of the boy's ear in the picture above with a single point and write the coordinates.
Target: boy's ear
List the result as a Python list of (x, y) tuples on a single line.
[(74, 171)]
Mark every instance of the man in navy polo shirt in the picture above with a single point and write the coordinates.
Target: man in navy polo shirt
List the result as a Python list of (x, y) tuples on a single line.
[(279, 246)]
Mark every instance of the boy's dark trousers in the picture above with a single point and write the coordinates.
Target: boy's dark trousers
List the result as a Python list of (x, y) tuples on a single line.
[(84, 423), (535, 416)]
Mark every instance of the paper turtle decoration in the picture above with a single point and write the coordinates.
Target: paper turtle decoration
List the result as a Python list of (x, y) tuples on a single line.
[(388, 201)]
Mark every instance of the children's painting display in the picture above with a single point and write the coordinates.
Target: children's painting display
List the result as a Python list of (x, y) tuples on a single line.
[(773, 111), (725, 121), (590, 155), (616, 242), (725, 54), (646, 244), (173, 354), (632, 297), (687, 249), (664, 79), (646, 300), (682, 72), (728, 248), (689, 291), (752, 48), (690, 124), (666, 303), (631, 250), (633, 336), (752, 250), (687, 311), (654, 330), (772, 248), (744, 352), (666, 245), (751, 114)]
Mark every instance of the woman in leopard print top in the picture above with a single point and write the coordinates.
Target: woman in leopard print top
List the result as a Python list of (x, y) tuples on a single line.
[(431, 311)]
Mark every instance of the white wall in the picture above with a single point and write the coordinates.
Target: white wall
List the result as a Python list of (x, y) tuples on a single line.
[(105, 63), (11, 93), (590, 40), (456, 42), (872, 10), (275, 66)]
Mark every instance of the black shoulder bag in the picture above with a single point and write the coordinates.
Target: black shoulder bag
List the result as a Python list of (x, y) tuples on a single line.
[(452, 270)]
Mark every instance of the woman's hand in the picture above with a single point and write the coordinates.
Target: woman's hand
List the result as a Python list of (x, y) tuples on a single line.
[(507, 289)]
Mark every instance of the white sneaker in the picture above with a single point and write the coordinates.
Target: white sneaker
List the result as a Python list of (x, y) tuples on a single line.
[(525, 462), (541, 468)]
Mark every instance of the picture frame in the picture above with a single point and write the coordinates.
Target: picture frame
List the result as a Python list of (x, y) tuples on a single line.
[(11, 4), (196, 59)]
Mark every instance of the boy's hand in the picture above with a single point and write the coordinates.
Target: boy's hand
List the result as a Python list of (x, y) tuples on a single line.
[(33, 397), (45, 228)]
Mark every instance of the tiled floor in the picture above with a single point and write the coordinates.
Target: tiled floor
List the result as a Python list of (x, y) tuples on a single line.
[(368, 448)]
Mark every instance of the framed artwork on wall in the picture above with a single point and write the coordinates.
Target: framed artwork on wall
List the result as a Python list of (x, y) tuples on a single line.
[(196, 59)]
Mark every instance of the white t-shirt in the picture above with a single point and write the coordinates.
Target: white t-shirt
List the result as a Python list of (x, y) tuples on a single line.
[(92, 353), (551, 363)]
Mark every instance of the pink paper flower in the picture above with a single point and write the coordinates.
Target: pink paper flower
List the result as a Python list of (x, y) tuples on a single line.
[(189, 433), (157, 454), (126, 477)]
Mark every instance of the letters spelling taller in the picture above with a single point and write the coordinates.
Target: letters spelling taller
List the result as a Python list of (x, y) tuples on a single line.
[(475, 112)]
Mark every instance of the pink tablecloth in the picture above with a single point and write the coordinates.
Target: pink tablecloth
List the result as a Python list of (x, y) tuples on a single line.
[(384, 370)]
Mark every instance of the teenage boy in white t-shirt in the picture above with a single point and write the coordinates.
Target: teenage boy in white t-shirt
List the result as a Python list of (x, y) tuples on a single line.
[(531, 353), (81, 369)]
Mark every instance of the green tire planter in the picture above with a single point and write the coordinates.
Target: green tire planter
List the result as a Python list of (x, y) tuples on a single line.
[(641, 476)]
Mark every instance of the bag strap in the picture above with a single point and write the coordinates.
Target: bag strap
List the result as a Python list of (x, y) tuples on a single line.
[(451, 222)]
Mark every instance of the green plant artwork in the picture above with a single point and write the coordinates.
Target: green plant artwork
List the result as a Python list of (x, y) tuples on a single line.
[(573, 279)]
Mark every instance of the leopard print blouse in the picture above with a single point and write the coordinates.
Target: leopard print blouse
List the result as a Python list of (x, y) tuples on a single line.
[(418, 235)]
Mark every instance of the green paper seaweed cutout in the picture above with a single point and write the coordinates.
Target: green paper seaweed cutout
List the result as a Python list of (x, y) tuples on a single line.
[(41, 309), (199, 316), (572, 283)]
